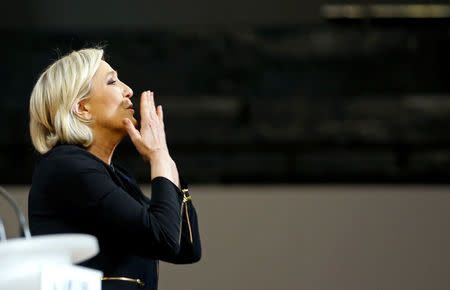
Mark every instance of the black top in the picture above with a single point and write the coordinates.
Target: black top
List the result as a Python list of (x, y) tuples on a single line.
[(73, 191)]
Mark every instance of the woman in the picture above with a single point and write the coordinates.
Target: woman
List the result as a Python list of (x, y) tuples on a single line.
[(79, 112)]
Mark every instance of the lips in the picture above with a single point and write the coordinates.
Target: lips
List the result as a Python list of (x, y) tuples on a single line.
[(130, 106)]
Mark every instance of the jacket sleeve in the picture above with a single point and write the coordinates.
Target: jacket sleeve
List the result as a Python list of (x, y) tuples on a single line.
[(190, 245), (85, 195)]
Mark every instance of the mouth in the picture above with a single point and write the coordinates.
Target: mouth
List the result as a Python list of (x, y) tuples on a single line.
[(130, 106)]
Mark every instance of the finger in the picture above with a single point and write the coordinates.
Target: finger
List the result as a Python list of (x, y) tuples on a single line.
[(159, 112), (145, 111), (152, 104), (134, 134)]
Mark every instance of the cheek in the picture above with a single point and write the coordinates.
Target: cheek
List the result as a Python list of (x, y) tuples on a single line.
[(111, 102), (106, 109)]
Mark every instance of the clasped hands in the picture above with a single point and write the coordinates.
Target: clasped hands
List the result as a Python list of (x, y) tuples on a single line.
[(150, 139)]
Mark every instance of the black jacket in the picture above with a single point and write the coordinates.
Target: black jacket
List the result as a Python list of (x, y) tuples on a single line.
[(73, 191)]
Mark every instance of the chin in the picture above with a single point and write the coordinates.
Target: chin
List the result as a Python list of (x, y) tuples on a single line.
[(132, 119)]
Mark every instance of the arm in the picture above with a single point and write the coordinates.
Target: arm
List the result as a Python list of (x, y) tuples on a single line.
[(86, 196), (150, 141)]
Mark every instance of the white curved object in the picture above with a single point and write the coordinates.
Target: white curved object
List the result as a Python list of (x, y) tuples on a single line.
[(22, 260)]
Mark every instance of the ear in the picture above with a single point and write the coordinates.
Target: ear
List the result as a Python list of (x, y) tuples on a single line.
[(81, 109)]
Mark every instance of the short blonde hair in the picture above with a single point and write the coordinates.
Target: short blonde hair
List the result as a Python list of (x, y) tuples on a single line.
[(55, 97)]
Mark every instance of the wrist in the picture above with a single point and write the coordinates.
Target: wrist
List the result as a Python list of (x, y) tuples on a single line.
[(159, 156)]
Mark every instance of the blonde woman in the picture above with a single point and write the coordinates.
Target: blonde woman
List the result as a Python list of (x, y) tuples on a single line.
[(79, 112)]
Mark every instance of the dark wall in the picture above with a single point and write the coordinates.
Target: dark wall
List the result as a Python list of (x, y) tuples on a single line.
[(52, 14), (309, 102), (136, 14)]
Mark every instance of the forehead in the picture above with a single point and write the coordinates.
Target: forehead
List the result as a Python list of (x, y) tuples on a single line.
[(103, 69)]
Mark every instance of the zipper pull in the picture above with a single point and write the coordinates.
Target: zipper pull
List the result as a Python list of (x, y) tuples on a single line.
[(186, 198)]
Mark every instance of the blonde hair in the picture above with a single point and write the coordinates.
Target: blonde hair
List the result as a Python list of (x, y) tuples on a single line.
[(55, 97)]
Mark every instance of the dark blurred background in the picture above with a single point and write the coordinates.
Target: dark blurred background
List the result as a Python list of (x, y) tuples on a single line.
[(292, 93), (254, 91)]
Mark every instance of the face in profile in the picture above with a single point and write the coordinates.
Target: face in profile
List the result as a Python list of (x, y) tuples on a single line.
[(109, 101)]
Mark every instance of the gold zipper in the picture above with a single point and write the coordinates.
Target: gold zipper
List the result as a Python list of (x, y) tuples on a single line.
[(184, 203), (138, 281)]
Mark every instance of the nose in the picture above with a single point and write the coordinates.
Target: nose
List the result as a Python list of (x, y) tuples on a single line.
[(128, 92)]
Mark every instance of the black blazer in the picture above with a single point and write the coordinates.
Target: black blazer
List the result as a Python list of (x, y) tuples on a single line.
[(73, 191)]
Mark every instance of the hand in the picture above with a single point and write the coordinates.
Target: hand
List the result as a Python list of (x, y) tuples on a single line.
[(150, 141)]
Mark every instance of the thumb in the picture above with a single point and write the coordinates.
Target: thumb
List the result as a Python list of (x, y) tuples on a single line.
[(134, 134)]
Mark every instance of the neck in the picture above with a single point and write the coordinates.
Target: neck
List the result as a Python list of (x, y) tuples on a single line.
[(103, 146)]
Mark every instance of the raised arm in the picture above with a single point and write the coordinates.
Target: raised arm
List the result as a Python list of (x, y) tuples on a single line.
[(151, 143)]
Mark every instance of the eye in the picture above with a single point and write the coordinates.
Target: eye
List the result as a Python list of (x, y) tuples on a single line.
[(111, 82)]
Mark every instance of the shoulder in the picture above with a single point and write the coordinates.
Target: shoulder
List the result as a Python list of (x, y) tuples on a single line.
[(74, 171), (64, 163)]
